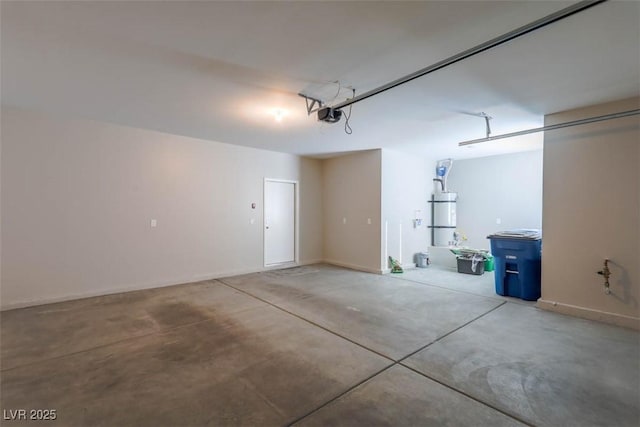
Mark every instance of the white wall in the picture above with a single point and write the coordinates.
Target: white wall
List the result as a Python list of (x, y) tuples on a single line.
[(311, 227), (406, 187), (78, 197), (592, 212), (508, 187), (352, 192)]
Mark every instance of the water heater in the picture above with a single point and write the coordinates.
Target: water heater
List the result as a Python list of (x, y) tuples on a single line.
[(444, 218), (443, 207)]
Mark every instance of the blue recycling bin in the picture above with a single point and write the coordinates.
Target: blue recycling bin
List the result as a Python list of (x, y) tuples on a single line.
[(518, 263)]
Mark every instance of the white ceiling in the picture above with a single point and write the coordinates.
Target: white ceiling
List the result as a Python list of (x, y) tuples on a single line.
[(218, 70)]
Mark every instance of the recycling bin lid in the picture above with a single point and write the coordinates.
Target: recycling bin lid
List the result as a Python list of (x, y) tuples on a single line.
[(524, 234)]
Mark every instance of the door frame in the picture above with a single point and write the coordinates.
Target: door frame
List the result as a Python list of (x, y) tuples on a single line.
[(296, 219)]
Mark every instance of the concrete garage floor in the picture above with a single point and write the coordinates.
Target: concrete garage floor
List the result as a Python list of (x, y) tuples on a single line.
[(449, 278), (316, 345)]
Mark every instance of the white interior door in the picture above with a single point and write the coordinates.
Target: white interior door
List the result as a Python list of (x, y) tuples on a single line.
[(279, 222)]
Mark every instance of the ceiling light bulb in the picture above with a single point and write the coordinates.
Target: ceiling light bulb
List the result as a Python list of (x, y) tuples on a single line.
[(278, 114)]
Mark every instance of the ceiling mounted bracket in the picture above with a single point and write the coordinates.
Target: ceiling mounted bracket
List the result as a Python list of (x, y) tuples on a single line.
[(579, 122), (486, 119), (313, 104)]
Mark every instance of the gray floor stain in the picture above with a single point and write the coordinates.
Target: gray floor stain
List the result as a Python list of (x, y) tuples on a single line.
[(206, 354), (221, 370), (175, 313)]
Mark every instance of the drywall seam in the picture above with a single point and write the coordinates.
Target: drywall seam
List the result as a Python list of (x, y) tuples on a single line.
[(590, 314)]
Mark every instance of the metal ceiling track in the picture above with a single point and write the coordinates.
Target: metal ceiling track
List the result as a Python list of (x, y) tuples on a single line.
[(554, 127), (519, 32)]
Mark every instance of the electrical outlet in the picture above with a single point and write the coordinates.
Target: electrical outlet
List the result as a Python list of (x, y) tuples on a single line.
[(154, 223), (498, 221)]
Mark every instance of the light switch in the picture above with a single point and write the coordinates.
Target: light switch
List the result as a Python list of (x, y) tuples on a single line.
[(369, 221), (154, 223), (252, 221), (344, 220), (498, 221)]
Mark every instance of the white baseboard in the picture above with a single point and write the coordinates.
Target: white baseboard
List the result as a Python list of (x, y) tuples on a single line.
[(142, 286), (590, 314), (353, 266), (173, 282), (311, 262)]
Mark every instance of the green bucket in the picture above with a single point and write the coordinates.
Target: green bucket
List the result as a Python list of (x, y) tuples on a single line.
[(489, 264)]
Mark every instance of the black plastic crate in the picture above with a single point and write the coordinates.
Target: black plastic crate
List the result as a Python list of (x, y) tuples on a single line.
[(466, 266)]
